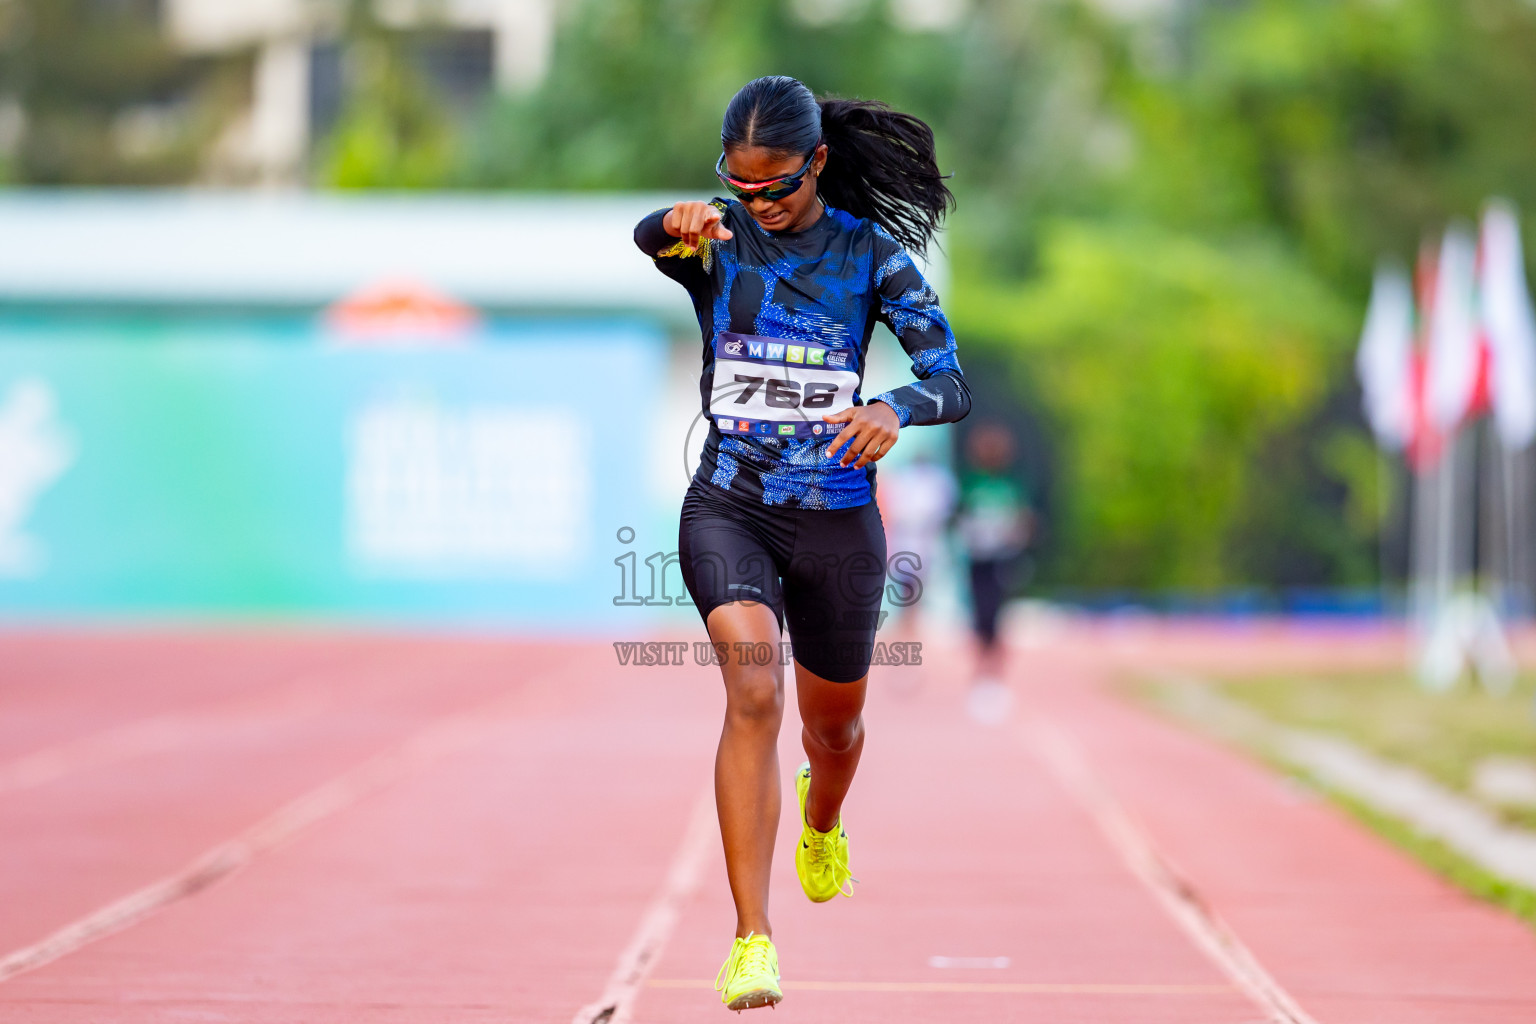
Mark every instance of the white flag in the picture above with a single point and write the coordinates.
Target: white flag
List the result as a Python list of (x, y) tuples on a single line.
[(1509, 325), (1453, 342), (1383, 361)]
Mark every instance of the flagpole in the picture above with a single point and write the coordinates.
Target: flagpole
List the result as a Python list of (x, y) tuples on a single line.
[(1441, 662), (1508, 324), (1445, 524), (1435, 547), (1515, 514), (1464, 562), (1490, 575), (1384, 492), (1418, 498)]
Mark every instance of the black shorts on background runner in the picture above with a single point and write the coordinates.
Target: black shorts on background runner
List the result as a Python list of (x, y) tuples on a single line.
[(821, 570), (990, 580)]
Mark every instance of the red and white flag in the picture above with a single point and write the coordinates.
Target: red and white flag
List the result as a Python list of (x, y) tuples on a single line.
[(1508, 326), (1384, 361), (1457, 360)]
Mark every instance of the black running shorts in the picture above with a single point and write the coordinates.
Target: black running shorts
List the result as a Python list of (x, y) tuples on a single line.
[(822, 570)]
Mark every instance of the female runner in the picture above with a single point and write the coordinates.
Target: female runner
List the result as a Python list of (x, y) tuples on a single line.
[(779, 523)]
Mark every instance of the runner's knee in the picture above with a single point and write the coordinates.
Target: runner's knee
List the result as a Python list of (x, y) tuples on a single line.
[(838, 735), (755, 694)]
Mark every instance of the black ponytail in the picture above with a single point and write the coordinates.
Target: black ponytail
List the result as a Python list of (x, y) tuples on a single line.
[(881, 163)]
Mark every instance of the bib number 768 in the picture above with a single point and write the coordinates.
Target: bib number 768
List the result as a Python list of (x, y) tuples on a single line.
[(786, 394)]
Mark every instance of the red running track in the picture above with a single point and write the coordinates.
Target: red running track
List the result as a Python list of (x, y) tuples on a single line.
[(321, 828)]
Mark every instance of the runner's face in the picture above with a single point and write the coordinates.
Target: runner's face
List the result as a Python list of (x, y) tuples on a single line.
[(795, 211)]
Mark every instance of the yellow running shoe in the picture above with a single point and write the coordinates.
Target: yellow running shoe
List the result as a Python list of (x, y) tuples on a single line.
[(821, 858), (750, 975)]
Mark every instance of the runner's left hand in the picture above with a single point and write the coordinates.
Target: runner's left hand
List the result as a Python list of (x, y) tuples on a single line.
[(871, 433)]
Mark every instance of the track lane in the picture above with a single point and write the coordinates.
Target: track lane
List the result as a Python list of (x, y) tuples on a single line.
[(87, 838), (63, 686), (493, 885), (1352, 928), (503, 881), (965, 848)]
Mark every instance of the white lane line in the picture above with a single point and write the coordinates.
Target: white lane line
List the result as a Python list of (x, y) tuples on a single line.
[(617, 1003), (976, 987), (1064, 758), (996, 963), (448, 735)]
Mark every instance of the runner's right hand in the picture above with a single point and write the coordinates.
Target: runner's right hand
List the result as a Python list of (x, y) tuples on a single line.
[(693, 221)]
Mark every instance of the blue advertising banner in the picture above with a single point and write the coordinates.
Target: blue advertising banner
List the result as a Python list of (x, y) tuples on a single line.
[(252, 468)]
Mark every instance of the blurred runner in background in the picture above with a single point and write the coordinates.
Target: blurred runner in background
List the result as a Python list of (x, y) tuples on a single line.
[(993, 523), (917, 501)]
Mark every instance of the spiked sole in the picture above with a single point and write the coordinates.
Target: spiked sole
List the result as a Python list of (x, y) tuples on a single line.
[(752, 1000)]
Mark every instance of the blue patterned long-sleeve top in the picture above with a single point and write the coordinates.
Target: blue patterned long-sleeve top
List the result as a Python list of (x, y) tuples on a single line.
[(786, 319)]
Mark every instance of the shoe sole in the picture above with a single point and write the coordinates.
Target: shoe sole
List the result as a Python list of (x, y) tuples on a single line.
[(752, 1000)]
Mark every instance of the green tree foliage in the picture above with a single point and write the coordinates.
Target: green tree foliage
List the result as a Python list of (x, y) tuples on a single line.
[(394, 132), (101, 97), (1299, 140), (635, 93), (1350, 125), (1169, 363)]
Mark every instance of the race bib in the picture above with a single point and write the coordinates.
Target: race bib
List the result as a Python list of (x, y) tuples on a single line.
[(779, 388)]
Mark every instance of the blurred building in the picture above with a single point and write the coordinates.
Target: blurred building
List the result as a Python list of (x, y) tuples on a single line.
[(465, 48)]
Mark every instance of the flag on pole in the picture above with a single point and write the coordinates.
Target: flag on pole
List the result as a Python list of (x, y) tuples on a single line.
[(1384, 361), (1425, 440), (1456, 374), (1508, 326)]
